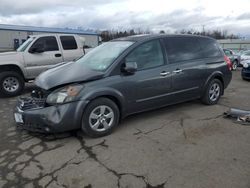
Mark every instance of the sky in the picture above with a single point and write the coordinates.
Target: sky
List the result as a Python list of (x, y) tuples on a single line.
[(153, 15)]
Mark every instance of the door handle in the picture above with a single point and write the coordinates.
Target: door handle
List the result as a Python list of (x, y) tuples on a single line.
[(164, 73), (177, 71), (58, 55)]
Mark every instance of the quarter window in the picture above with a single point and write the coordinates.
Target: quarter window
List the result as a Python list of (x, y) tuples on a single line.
[(147, 55), (181, 49), (49, 43), (68, 42), (209, 47)]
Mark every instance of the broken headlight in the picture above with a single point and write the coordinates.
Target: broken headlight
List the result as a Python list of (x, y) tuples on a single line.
[(63, 95)]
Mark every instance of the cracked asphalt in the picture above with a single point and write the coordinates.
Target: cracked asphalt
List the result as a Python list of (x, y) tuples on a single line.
[(185, 145)]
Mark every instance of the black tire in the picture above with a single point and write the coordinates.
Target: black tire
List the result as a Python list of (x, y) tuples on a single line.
[(207, 98), (16, 78), (94, 107), (234, 65)]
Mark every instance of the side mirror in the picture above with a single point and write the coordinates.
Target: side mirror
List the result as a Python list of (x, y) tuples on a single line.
[(38, 48), (130, 67)]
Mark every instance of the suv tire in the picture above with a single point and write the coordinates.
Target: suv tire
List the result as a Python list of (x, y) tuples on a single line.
[(11, 84), (100, 117), (213, 92)]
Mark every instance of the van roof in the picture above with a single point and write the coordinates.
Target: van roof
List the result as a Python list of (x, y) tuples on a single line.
[(137, 38)]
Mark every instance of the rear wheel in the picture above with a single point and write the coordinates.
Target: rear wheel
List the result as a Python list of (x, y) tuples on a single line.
[(100, 117), (11, 84), (213, 92), (234, 65)]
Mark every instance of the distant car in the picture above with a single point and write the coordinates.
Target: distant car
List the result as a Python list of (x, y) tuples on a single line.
[(245, 72), (235, 59), (245, 56)]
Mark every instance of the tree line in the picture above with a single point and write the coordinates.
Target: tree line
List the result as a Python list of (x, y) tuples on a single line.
[(113, 34)]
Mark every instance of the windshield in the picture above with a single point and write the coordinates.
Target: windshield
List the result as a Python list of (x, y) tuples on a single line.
[(25, 44), (247, 53), (101, 57)]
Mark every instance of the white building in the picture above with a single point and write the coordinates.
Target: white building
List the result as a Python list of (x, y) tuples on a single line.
[(235, 44), (11, 36)]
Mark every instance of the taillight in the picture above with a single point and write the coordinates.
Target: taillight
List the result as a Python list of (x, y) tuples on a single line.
[(228, 62)]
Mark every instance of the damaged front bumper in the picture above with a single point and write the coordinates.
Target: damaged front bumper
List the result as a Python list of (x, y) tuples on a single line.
[(35, 115)]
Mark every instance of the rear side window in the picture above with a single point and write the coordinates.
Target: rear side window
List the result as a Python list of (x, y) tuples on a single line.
[(182, 49), (209, 48), (147, 55), (49, 43), (68, 42), (227, 52)]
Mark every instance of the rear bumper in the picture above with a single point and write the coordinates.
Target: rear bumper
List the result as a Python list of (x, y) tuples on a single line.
[(51, 119)]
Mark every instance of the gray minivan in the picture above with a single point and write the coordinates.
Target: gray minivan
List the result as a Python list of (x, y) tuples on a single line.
[(123, 77)]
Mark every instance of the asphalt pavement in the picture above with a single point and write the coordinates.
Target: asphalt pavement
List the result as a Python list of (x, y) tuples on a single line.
[(186, 145)]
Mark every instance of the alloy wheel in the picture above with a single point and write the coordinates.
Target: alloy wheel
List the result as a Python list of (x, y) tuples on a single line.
[(101, 118), (214, 92)]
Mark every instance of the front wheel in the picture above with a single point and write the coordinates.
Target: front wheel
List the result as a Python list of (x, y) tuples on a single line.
[(11, 84), (100, 117), (213, 92)]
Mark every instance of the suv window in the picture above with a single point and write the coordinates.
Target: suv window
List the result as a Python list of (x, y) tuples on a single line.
[(209, 47), (49, 43), (68, 42), (147, 55), (182, 49)]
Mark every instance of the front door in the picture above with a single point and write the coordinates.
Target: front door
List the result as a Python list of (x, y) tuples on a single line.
[(148, 87), (39, 62)]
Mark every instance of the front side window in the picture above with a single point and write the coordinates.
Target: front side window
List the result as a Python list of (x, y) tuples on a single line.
[(49, 43), (181, 49), (101, 57), (147, 55), (68, 42)]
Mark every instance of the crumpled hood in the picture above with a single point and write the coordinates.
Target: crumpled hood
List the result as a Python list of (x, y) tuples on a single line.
[(67, 73), (10, 56)]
